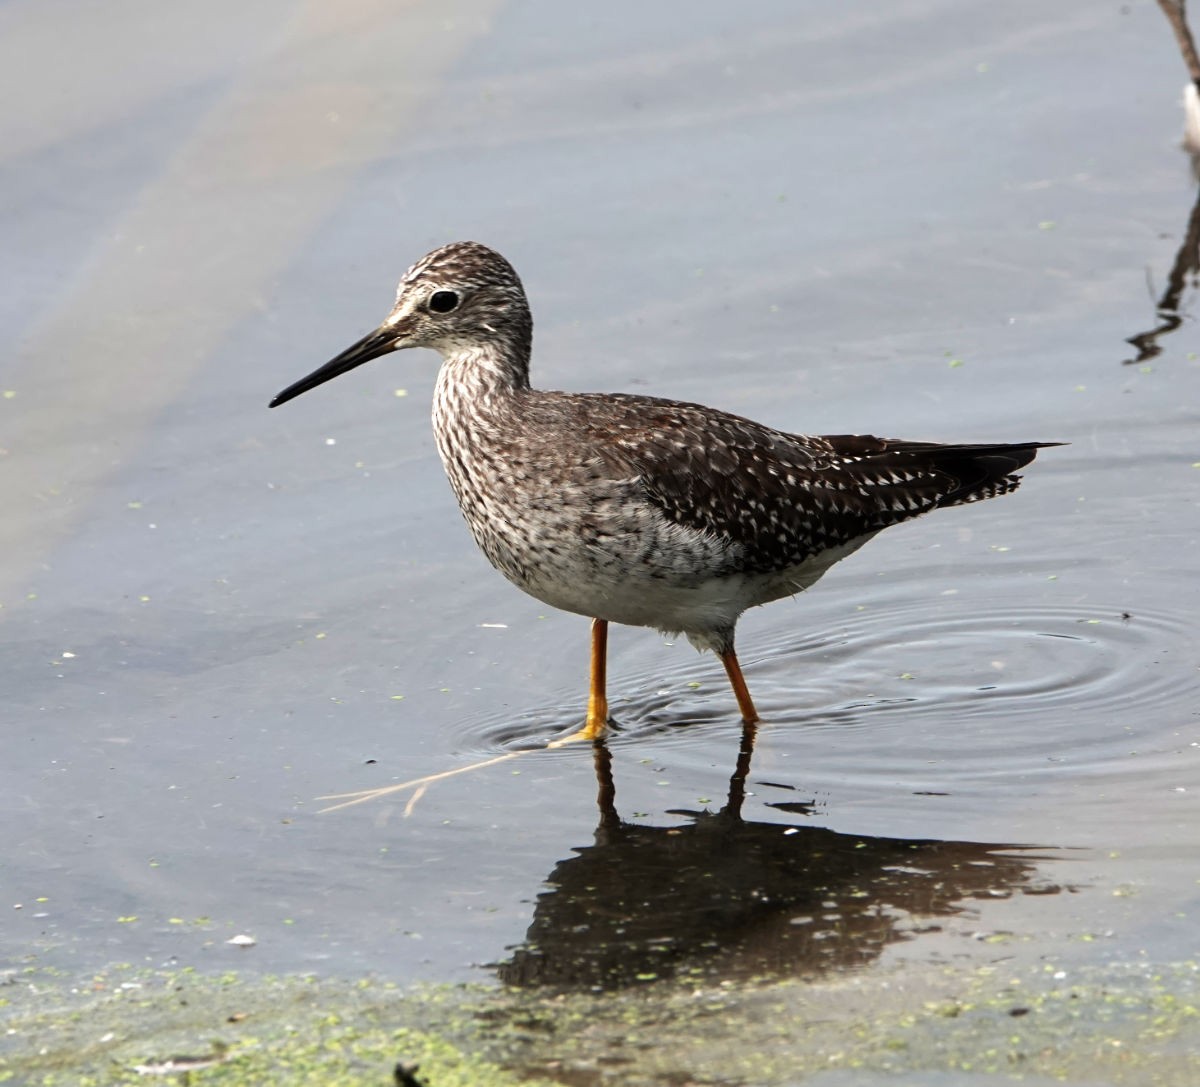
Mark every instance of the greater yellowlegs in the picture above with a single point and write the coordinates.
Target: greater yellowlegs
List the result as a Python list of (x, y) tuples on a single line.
[(639, 510)]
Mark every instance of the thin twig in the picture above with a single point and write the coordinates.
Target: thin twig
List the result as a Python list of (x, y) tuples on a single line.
[(348, 800), (363, 795)]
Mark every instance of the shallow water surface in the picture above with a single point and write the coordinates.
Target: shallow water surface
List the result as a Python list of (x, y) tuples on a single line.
[(928, 220)]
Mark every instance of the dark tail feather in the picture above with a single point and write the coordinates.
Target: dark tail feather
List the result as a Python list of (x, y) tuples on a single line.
[(983, 471)]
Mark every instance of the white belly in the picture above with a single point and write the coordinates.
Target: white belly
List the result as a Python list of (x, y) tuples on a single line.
[(618, 594)]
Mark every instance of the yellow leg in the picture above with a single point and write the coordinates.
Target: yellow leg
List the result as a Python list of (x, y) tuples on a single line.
[(596, 724), (738, 682), (597, 711)]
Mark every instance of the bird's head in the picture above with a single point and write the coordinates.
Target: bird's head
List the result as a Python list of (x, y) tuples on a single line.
[(463, 297)]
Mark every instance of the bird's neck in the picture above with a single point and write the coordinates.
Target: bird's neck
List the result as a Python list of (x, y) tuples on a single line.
[(483, 370), (476, 403), (478, 387)]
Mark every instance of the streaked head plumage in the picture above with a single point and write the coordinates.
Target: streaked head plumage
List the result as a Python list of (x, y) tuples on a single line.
[(462, 299), (461, 295)]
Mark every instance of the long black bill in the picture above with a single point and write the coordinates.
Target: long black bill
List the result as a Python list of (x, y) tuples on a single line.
[(371, 346)]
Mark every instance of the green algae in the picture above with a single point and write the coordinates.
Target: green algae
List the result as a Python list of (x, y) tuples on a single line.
[(233, 1032), (1133, 1024)]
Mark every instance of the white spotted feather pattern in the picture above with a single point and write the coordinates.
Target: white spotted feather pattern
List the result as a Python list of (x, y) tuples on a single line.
[(641, 510)]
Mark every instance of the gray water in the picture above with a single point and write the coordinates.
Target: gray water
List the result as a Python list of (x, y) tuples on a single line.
[(927, 219)]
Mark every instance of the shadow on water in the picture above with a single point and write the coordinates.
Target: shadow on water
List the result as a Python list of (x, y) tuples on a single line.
[(725, 898)]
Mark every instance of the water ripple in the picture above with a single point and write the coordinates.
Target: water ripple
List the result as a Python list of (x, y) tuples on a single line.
[(1033, 674)]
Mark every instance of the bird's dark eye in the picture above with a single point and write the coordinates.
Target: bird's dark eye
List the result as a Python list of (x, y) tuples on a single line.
[(443, 301)]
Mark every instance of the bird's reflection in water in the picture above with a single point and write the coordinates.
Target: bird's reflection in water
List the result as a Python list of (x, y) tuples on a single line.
[(722, 897), (1169, 307)]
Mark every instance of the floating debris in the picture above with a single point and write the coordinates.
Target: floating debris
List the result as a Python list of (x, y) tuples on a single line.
[(173, 1065)]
